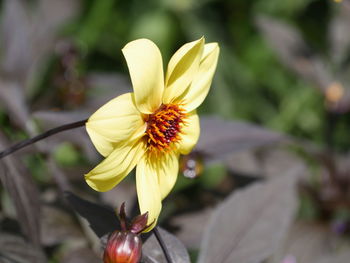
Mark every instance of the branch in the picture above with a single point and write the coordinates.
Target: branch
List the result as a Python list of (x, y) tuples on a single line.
[(40, 137)]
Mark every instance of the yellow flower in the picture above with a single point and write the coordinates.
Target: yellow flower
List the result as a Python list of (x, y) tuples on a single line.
[(152, 126)]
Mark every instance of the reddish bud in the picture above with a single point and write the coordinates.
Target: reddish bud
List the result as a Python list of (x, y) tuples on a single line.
[(123, 247)]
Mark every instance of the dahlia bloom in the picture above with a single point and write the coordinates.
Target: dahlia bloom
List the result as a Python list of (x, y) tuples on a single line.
[(152, 126)]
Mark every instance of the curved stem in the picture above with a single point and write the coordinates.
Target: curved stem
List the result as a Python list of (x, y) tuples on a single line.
[(41, 136), (162, 245)]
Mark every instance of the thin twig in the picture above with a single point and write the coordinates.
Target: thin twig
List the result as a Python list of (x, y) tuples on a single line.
[(41, 136), (162, 244)]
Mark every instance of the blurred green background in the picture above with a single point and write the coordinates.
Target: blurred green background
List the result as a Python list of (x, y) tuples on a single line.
[(250, 84)]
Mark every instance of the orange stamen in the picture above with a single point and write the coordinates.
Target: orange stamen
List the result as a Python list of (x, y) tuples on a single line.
[(164, 127)]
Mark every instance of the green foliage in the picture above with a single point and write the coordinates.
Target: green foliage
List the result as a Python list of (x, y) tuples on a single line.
[(250, 84), (95, 22), (282, 8), (38, 168), (342, 214), (66, 155), (213, 175), (307, 209)]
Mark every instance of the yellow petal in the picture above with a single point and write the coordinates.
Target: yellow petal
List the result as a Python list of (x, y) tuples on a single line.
[(148, 191), (146, 71), (116, 166), (189, 134), (168, 169), (181, 70), (114, 122), (196, 93)]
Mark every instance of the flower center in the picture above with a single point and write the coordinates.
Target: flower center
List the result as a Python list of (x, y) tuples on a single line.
[(164, 126)]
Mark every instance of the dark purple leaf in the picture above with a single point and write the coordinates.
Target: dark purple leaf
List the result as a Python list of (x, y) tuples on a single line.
[(219, 137), (152, 252), (15, 32), (102, 219), (338, 257), (14, 249), (191, 227), (294, 52), (312, 242), (339, 35), (23, 191), (250, 224), (13, 103), (104, 87), (265, 162), (80, 255), (57, 226), (29, 34)]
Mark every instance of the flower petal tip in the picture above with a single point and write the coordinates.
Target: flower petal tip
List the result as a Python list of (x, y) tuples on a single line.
[(212, 47), (139, 41), (201, 40), (90, 182), (97, 186)]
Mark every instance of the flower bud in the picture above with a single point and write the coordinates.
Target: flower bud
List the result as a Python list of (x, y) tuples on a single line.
[(123, 247)]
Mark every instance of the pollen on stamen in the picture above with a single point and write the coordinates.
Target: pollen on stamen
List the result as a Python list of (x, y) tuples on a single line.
[(164, 127)]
